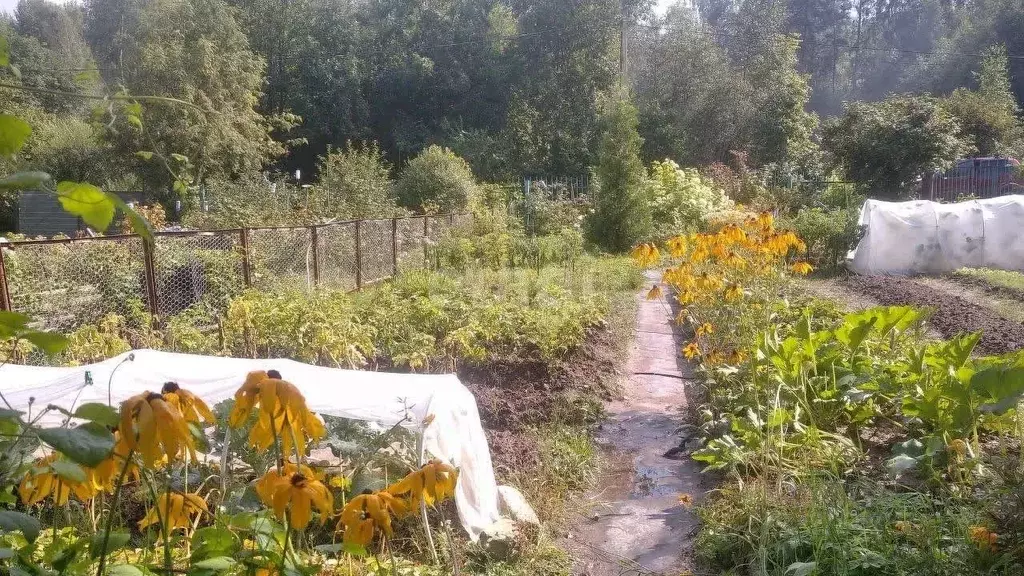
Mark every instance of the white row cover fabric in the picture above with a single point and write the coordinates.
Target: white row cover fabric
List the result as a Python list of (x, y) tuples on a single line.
[(455, 434), (922, 237)]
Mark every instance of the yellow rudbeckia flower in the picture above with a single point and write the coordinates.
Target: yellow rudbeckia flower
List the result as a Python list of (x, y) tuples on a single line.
[(802, 268), (192, 407), (691, 350), (155, 428), (42, 482), (175, 509), (299, 494), (434, 482)]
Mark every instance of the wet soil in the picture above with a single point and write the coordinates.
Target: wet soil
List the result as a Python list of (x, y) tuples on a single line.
[(634, 523), (954, 314)]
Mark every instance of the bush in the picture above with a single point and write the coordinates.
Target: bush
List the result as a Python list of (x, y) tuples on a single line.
[(437, 179), (886, 146), (681, 199), (355, 182), (828, 233)]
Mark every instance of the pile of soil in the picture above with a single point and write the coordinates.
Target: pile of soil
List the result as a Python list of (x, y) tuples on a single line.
[(953, 315), (514, 396)]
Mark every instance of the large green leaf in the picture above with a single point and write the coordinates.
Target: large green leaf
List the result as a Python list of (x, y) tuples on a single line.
[(124, 570), (116, 541), (99, 413), (49, 342), (88, 444), (217, 564), (12, 324), (13, 133), (94, 206), (5, 52), (25, 180), (68, 471), (801, 568), (213, 541), (139, 224), (10, 521)]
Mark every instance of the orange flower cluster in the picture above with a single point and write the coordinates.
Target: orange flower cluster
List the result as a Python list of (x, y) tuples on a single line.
[(720, 267)]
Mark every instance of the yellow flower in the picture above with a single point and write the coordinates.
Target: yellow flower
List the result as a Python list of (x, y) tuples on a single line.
[(736, 356), (686, 500), (958, 447), (705, 329), (734, 260), (154, 428), (903, 526), (802, 268), (983, 537), (367, 513), (299, 494), (282, 413), (434, 482), (192, 407), (339, 482), (654, 293), (267, 483), (692, 350), (42, 481), (733, 292), (175, 509), (686, 297), (106, 472), (646, 254), (677, 246), (714, 358)]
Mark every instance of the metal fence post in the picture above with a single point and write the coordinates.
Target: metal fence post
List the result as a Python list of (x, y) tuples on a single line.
[(359, 257), (394, 247), (426, 238), (5, 292), (314, 238), (246, 266), (151, 291)]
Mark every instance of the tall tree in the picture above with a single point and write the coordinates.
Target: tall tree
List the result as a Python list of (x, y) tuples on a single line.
[(622, 216)]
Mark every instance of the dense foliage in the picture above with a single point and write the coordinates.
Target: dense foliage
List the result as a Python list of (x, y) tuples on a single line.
[(438, 181)]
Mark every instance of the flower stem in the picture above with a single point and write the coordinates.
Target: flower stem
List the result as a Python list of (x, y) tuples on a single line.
[(110, 517)]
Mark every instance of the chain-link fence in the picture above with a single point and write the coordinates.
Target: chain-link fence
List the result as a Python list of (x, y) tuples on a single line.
[(66, 283)]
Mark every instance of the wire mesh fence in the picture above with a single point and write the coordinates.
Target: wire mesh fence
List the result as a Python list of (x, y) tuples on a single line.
[(66, 283)]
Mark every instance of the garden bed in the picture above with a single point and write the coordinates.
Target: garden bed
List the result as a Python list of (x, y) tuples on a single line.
[(953, 315)]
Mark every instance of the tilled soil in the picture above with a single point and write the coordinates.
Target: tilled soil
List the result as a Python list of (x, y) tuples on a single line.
[(514, 396), (953, 314)]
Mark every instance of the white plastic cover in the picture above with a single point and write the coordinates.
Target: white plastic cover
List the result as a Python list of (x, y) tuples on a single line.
[(922, 237), (455, 435)]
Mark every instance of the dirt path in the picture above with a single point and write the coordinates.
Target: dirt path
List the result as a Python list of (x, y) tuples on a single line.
[(635, 524)]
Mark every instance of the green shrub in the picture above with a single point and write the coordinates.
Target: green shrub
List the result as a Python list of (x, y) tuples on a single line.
[(437, 179), (829, 234), (355, 182), (681, 199)]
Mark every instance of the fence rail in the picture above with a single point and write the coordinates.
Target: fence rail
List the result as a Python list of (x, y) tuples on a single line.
[(65, 283)]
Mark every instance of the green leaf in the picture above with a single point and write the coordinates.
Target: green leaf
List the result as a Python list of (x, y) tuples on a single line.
[(801, 568), (68, 471), (49, 342), (213, 541), (8, 414), (139, 224), (5, 52), (144, 154), (25, 180), (219, 563), (99, 413), (116, 541), (180, 158), (900, 464), (179, 187), (354, 549), (134, 122), (88, 202), (12, 323), (88, 444), (10, 521), (13, 133), (66, 556), (124, 570)]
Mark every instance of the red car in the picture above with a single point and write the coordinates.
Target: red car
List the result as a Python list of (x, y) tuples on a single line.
[(975, 178)]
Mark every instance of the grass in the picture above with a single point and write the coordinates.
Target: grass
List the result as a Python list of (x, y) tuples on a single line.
[(998, 278), (845, 528)]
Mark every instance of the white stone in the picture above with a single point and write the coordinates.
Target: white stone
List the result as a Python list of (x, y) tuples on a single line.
[(514, 504)]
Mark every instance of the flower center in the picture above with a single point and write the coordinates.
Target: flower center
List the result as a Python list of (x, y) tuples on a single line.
[(298, 480), (170, 388), (153, 396)]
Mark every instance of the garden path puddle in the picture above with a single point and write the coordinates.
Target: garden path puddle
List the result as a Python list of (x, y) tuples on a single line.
[(635, 524)]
